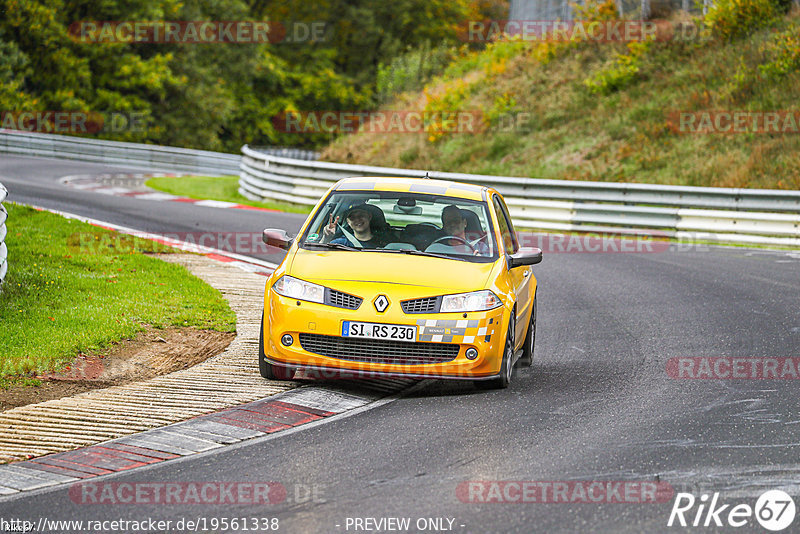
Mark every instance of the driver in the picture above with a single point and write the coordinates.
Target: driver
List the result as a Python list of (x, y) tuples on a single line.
[(359, 219), (454, 224)]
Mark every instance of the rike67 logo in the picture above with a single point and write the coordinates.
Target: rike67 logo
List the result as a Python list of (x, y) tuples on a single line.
[(774, 510)]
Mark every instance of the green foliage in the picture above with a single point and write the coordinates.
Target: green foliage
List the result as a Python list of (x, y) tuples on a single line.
[(596, 10), (409, 155), (13, 66), (620, 71), (444, 103), (221, 96), (783, 53), (772, 59), (731, 19), (411, 70), (491, 60), (368, 33), (502, 106), (626, 131)]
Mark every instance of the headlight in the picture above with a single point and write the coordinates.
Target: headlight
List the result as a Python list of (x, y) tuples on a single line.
[(468, 302), (291, 287)]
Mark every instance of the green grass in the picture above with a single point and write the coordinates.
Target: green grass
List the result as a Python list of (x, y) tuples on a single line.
[(72, 287), (225, 188)]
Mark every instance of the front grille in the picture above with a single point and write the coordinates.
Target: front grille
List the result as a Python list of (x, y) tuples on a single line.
[(424, 305), (342, 300), (378, 350)]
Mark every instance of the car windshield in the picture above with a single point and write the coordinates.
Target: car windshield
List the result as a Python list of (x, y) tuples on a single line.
[(401, 222)]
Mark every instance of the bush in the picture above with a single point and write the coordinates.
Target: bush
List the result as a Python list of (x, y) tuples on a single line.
[(596, 10), (619, 72), (450, 99), (730, 19), (412, 70), (783, 51), (502, 107)]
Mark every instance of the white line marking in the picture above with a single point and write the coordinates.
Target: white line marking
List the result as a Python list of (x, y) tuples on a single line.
[(215, 203), (375, 404)]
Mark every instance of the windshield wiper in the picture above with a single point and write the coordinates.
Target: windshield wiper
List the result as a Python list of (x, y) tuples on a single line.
[(337, 246), (416, 253)]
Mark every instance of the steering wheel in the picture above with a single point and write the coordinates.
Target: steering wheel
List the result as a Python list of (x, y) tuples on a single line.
[(482, 238), (461, 241)]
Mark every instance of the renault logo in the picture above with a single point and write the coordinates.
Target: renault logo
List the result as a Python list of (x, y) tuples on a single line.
[(381, 303)]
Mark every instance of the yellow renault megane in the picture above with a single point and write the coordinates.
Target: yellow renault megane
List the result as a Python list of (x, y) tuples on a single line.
[(402, 277)]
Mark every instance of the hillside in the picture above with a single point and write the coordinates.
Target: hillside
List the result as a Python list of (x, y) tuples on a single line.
[(611, 111)]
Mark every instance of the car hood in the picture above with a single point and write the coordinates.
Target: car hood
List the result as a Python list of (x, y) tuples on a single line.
[(389, 268)]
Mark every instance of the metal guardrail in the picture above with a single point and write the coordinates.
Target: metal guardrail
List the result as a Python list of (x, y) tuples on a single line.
[(133, 155), (716, 214), (3, 231), (287, 152)]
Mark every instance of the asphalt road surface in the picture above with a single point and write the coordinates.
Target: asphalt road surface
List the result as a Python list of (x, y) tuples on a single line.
[(597, 405)]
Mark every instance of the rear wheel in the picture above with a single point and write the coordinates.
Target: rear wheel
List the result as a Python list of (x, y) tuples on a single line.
[(267, 370), (526, 360), (506, 367)]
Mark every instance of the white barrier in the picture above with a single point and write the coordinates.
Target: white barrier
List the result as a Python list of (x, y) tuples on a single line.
[(133, 155), (720, 214), (3, 231)]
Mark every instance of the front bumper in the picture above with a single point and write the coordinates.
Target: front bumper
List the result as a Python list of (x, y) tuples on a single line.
[(436, 332)]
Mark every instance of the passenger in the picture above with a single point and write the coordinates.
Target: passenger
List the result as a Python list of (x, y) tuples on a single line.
[(454, 224), (359, 219)]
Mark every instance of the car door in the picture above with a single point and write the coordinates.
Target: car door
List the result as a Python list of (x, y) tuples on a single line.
[(520, 276)]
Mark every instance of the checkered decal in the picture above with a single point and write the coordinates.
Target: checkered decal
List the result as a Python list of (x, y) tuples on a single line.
[(457, 331), (404, 184)]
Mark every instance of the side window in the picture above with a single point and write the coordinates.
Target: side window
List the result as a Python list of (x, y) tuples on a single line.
[(506, 228)]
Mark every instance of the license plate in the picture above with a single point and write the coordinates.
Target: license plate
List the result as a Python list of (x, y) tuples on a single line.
[(393, 332)]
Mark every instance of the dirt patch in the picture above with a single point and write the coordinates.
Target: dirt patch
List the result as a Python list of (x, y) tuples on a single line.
[(151, 353)]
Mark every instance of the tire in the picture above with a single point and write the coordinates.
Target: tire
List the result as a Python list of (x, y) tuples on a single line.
[(267, 370), (506, 367), (526, 360)]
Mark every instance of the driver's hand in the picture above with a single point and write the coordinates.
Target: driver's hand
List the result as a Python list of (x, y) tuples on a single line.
[(330, 229)]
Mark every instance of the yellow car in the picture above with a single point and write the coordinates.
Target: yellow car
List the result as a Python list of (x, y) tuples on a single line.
[(402, 277)]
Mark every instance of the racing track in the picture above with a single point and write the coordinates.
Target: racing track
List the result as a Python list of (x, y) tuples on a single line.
[(596, 405)]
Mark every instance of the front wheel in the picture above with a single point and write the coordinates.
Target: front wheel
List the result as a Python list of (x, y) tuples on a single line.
[(267, 370), (506, 367), (526, 360)]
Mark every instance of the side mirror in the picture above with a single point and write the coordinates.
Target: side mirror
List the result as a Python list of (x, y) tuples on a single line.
[(525, 256), (276, 237)]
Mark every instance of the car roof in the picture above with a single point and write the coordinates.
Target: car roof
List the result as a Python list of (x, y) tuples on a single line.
[(413, 185)]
